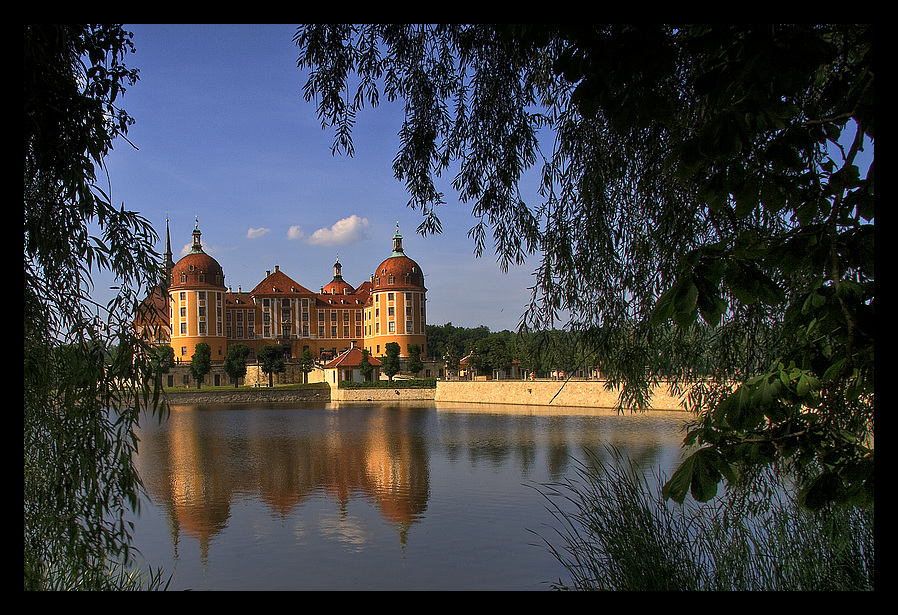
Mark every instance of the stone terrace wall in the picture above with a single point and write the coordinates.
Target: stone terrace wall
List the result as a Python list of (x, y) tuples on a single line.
[(590, 394), (584, 394)]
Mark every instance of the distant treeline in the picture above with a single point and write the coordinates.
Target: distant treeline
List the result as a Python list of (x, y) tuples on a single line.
[(540, 351)]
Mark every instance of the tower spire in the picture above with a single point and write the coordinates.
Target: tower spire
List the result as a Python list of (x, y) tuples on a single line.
[(168, 262)]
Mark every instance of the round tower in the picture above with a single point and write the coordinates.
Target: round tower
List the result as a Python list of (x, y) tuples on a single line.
[(196, 293), (395, 311)]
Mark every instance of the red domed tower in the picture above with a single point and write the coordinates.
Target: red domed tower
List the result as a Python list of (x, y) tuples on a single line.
[(196, 293), (395, 311)]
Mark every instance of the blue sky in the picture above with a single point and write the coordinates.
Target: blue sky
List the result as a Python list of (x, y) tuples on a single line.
[(224, 136)]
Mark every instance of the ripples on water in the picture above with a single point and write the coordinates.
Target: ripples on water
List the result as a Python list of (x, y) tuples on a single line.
[(382, 497)]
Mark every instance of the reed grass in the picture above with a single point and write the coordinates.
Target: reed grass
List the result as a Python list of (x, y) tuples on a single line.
[(617, 532)]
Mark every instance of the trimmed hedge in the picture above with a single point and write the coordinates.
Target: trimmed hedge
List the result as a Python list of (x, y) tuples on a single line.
[(414, 383)]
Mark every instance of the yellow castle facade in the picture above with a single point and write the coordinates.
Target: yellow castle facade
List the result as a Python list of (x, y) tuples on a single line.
[(193, 305)]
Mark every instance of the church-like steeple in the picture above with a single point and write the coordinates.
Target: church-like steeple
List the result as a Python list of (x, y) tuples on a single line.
[(168, 262)]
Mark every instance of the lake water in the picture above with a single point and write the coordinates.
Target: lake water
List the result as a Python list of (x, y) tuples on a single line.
[(350, 497)]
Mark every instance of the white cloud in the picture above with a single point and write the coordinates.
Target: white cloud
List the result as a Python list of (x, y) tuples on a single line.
[(295, 232), (255, 233), (343, 231)]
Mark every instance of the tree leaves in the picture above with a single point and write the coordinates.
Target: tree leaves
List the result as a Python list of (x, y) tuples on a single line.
[(696, 172), (699, 474), (706, 272)]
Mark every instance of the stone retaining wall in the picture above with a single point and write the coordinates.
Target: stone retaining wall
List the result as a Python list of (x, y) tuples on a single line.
[(591, 394), (583, 394)]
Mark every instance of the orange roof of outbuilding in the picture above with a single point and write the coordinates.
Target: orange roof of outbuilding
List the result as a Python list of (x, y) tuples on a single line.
[(351, 358)]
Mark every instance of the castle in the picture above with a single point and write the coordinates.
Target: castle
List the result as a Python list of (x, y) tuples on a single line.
[(194, 305)]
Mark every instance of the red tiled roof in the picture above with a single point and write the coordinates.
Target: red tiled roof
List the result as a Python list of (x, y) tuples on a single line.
[(279, 283), (192, 266), (351, 358), (407, 275)]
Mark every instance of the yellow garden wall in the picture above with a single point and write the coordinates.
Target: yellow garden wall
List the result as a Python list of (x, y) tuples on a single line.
[(543, 393)]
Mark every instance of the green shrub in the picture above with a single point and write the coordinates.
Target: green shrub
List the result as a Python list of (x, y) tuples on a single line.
[(414, 383)]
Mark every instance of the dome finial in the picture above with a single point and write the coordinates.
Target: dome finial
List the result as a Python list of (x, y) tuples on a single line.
[(397, 242), (197, 245)]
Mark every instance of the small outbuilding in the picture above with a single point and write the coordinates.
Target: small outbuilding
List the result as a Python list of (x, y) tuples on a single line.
[(346, 367)]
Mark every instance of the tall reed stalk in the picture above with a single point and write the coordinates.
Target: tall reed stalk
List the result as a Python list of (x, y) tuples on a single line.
[(617, 532)]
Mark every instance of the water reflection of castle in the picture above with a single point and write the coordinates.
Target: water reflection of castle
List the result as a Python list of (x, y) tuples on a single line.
[(188, 468)]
